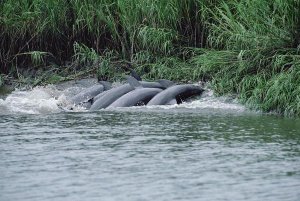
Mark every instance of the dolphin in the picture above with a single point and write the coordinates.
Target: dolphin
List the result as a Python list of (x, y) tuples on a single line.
[(178, 92), (135, 80), (136, 97), (99, 96), (173, 102), (90, 93), (110, 96), (162, 84)]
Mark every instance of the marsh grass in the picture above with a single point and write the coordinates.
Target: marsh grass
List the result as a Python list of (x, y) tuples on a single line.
[(127, 26), (244, 47), (1, 81), (256, 53)]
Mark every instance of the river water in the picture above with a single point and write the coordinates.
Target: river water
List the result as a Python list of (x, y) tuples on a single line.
[(208, 149)]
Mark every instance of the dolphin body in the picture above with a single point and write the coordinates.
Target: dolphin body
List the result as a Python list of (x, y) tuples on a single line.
[(99, 96), (162, 84), (139, 96), (108, 97), (146, 84), (90, 93), (178, 92)]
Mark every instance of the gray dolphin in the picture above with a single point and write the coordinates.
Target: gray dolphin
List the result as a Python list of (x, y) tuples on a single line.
[(144, 84), (99, 96), (110, 96), (178, 92), (90, 93), (135, 97), (162, 84), (138, 96)]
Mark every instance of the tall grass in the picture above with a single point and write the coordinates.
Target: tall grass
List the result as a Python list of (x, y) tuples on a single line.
[(247, 47), (128, 26), (256, 53)]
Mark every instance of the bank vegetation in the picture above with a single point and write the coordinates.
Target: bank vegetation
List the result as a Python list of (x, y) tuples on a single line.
[(245, 47)]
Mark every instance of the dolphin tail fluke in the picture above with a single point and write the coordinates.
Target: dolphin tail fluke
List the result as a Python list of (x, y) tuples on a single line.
[(106, 85), (166, 83)]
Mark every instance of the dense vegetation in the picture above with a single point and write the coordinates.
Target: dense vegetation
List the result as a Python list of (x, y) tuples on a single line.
[(245, 47)]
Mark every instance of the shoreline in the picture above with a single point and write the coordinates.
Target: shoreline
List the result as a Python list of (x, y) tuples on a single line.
[(248, 48), (31, 82)]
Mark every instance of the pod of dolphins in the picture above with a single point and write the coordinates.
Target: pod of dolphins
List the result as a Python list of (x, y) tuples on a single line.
[(134, 93)]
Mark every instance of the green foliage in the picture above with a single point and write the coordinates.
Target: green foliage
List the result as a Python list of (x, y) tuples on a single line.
[(170, 68), (252, 24), (258, 56), (92, 61), (37, 57), (83, 54), (156, 40), (54, 78), (1, 81), (127, 26), (245, 47)]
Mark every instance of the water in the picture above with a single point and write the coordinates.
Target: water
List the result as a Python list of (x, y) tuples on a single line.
[(209, 149)]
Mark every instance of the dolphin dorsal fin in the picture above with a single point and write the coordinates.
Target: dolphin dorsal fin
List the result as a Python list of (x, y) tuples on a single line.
[(135, 75), (165, 83), (134, 82), (106, 85)]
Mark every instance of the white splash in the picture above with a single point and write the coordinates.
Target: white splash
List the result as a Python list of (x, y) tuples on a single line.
[(39, 100), (207, 101)]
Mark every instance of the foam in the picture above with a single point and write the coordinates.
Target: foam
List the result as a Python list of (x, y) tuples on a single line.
[(207, 101)]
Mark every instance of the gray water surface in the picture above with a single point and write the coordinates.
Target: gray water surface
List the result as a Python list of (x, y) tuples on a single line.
[(149, 154)]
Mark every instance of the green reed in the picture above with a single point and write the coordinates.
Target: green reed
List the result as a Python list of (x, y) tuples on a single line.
[(244, 47)]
